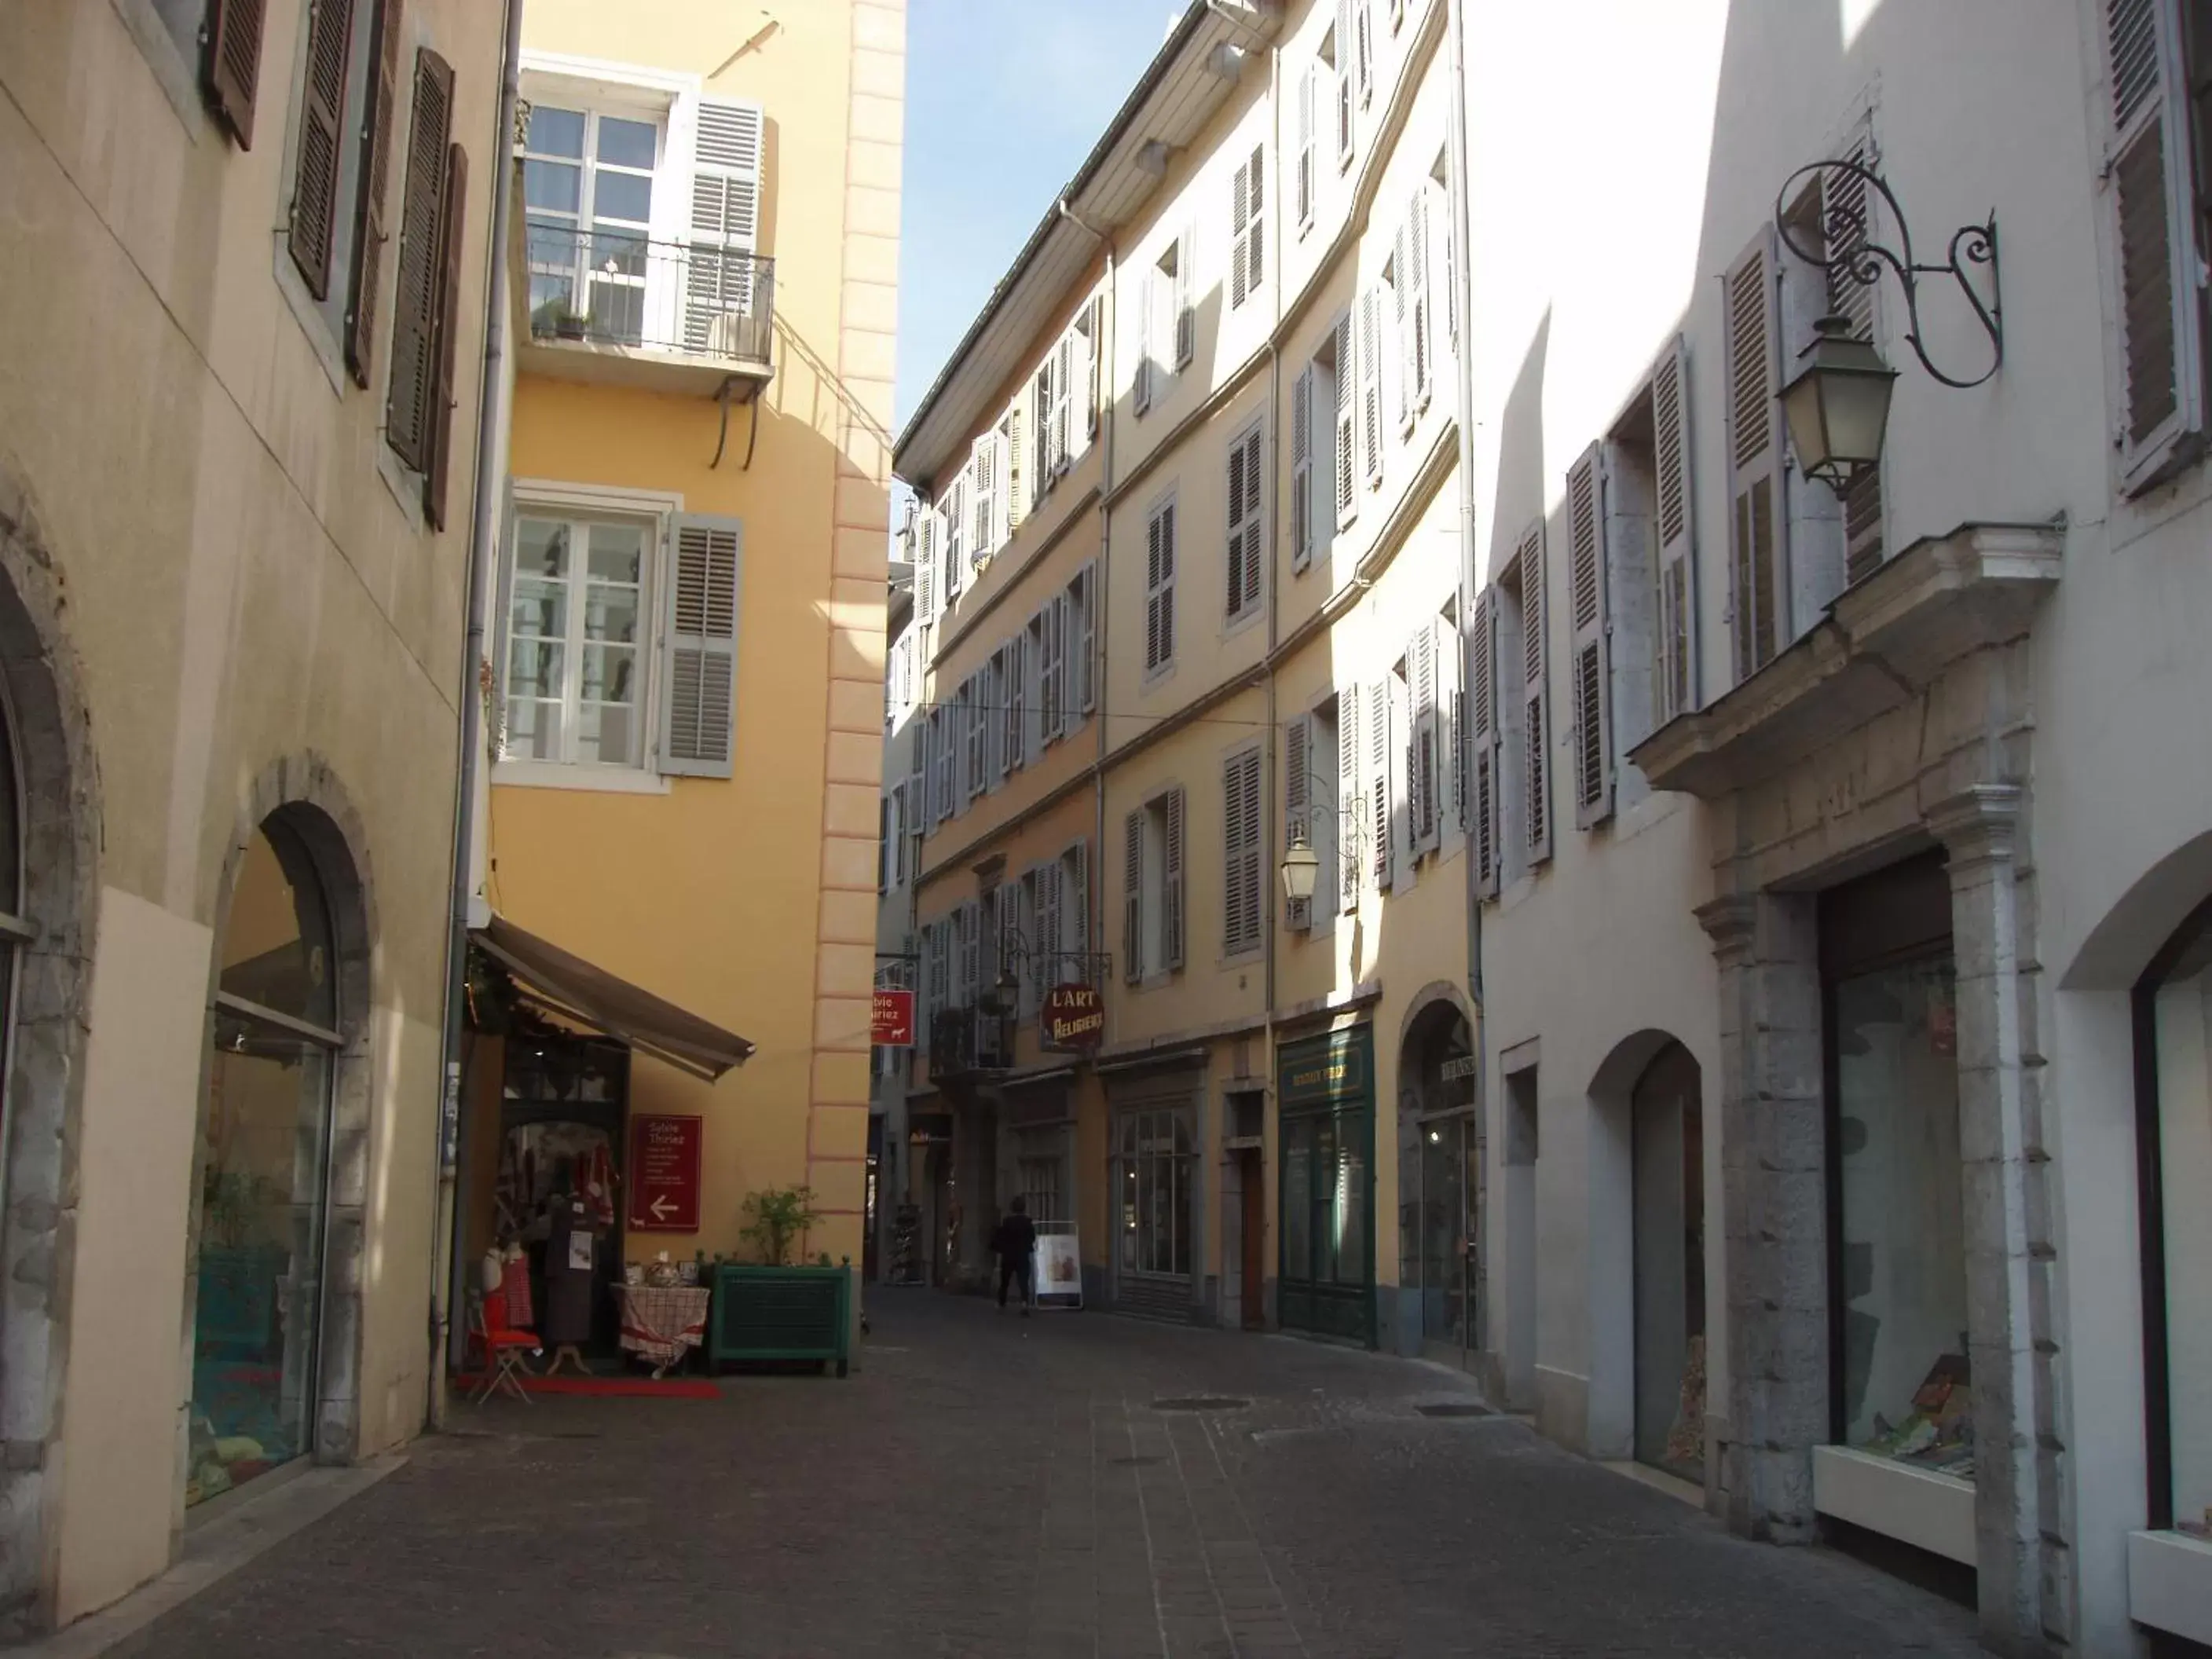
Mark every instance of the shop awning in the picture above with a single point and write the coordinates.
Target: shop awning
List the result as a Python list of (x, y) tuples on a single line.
[(571, 989)]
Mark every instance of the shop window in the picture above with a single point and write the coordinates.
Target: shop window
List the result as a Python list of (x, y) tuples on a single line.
[(2174, 1018), (264, 1164), (1156, 1191)]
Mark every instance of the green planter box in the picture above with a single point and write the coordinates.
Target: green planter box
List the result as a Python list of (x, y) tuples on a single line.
[(781, 1313)]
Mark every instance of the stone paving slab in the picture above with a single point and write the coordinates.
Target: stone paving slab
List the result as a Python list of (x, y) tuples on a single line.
[(988, 1487)]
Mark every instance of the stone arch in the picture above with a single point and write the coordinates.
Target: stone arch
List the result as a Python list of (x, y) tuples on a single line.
[(1439, 1185), (1435, 991), (2125, 938), (58, 780)]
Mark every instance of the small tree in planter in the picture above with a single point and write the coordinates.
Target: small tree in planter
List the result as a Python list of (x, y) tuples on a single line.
[(780, 1217), (770, 1310)]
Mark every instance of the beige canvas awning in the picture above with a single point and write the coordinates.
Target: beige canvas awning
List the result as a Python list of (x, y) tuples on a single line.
[(572, 989)]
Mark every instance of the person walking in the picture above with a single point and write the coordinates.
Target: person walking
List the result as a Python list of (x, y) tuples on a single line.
[(1016, 1244)]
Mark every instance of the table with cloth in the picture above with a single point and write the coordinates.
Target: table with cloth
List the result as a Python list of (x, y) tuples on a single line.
[(661, 1323)]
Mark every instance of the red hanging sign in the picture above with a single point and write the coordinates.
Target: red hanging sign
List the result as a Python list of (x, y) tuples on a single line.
[(664, 1156), (1074, 1017), (894, 1019)]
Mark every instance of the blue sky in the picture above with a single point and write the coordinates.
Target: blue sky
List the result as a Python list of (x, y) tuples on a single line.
[(1004, 98)]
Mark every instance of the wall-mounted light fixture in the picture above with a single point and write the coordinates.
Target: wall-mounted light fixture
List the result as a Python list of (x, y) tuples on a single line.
[(1837, 405)]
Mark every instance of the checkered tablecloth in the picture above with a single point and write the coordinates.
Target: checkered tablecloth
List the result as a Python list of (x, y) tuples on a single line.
[(662, 1323)]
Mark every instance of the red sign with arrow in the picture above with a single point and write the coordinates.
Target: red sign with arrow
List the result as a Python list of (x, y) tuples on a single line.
[(664, 1156)]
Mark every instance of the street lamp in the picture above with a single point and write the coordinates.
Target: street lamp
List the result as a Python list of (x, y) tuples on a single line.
[(1838, 405), (1300, 867)]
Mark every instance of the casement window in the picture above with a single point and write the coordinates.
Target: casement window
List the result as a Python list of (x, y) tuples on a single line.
[(433, 216), (1310, 763), (955, 540), (1090, 339), (1079, 649), (611, 660), (1244, 890), (1483, 802), (1160, 587), (1152, 887), (1341, 379), (1304, 184), (967, 953), (1052, 683), (1014, 728), (1337, 52), (1526, 586), (983, 501), (341, 163), (974, 727), (944, 756), (884, 805), (1759, 524), (1056, 417), (1370, 385), (2157, 190), (588, 180), (1247, 230), (1362, 20), (1245, 551), (1446, 239), (1015, 473)]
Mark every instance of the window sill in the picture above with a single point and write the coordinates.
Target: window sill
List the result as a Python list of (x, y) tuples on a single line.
[(1930, 1511), (2170, 1583), (596, 779), (307, 312)]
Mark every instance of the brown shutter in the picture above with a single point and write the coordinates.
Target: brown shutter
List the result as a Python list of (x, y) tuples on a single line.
[(234, 63), (408, 406), (376, 170), (322, 123), (452, 222)]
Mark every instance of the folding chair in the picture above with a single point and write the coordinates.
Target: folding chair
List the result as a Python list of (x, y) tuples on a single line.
[(503, 1346)]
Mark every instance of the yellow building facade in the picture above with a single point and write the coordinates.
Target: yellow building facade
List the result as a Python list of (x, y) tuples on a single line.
[(1187, 590), (684, 663)]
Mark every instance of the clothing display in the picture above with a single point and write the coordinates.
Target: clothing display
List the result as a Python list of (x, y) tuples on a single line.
[(568, 1257)]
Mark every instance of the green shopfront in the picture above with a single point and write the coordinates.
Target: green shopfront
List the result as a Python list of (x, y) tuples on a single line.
[(1325, 1090)]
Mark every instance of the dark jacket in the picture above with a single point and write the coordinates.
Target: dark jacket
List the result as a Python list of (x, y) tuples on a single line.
[(1016, 1239)]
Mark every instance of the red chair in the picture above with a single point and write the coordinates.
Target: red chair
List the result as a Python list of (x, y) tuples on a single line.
[(504, 1344)]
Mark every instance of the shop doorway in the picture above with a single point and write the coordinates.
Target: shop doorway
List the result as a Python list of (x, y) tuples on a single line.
[(1439, 1187), (1667, 1154), (564, 1102), (1326, 1283)]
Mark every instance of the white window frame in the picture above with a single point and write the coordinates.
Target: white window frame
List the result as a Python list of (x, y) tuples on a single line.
[(596, 103)]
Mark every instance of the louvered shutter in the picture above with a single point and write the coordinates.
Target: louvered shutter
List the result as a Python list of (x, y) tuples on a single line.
[(1148, 302), (1159, 589), (1240, 280), (1186, 311), (1018, 473), (1063, 383), (1239, 853), (1677, 610), (2147, 188), (407, 422), (1371, 384), (1001, 707), (1346, 422), (1019, 672), (1033, 685), (1093, 351), (1351, 805), (1845, 200), (322, 122), (1485, 792), (1343, 83), (1535, 652), (917, 786), (983, 501), (1586, 592), (1758, 522), (1379, 779), (726, 169), (1307, 93), (1401, 291), (1171, 878), (376, 173), (1045, 947), (1062, 614), (1322, 826), (1422, 781), (1302, 469), (1243, 541), (1363, 30), (971, 951), (233, 64), (926, 532), (699, 655), (1047, 635), (452, 230), (1421, 346), (1451, 723), (1132, 897), (1297, 803), (954, 541), (1248, 246), (1083, 649), (1075, 916)]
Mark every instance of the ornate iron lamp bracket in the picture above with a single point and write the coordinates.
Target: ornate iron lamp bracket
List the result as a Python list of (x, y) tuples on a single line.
[(1847, 250)]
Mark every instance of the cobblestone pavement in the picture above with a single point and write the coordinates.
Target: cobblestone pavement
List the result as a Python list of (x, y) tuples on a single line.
[(987, 1485)]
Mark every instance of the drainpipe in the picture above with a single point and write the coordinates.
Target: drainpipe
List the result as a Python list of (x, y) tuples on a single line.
[(1270, 873), (1469, 578), (482, 535)]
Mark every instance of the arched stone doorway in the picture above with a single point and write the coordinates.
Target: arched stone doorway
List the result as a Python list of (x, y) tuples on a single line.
[(1440, 1164), (1667, 1156)]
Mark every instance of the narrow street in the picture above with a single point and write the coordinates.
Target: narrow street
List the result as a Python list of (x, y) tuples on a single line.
[(1070, 1485)]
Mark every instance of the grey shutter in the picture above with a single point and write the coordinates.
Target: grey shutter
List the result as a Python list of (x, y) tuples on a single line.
[(1172, 894), (1297, 805), (1590, 672), (1535, 651), (2148, 188), (1451, 720), (1351, 805), (1758, 524), (1075, 915), (1401, 776), (1304, 183), (725, 221), (1132, 897), (1093, 361), (1348, 420), (322, 126), (1677, 608), (699, 654), (1380, 778), (1240, 208), (1063, 378), (998, 707), (1014, 734), (1302, 470), (1159, 589), (408, 422), (1371, 384), (1324, 754), (1044, 949), (1083, 649), (1484, 791), (1062, 607), (1239, 853), (1422, 782), (1244, 549)]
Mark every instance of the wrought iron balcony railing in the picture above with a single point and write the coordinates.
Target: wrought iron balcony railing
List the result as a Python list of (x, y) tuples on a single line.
[(966, 1040), (615, 287)]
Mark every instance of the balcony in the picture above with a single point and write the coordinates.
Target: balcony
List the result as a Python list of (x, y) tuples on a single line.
[(965, 1040), (615, 308)]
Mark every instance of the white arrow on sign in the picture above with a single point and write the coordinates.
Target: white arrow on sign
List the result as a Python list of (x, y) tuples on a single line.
[(659, 1206)]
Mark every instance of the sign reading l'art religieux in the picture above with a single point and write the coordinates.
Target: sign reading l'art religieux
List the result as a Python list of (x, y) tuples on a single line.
[(1074, 1017)]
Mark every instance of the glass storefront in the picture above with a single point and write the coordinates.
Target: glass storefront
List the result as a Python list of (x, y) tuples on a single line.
[(2178, 1134), (1325, 1284), (1157, 1168), (265, 1174)]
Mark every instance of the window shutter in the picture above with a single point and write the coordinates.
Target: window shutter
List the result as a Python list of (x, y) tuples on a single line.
[(1536, 781), (1186, 313), (924, 568), (1677, 612), (1063, 382), (955, 540), (407, 418), (1075, 916), (1159, 589), (1048, 632), (917, 786), (1302, 503), (1044, 949), (1083, 649), (1401, 290), (454, 228), (1016, 735), (1347, 792), (999, 702), (1364, 23), (1309, 89), (725, 168), (983, 503), (1010, 460), (2147, 188), (1343, 83), (1484, 793), (1371, 384), (1379, 779), (322, 120), (1244, 552), (1758, 525), (1148, 301), (1593, 716), (1239, 853), (1132, 897), (1298, 803), (1240, 209), (1322, 829), (234, 63), (376, 171), (1033, 685), (1421, 352), (699, 654), (1093, 350), (1171, 891), (1425, 828), (1060, 615), (1347, 495), (1845, 200), (1451, 716), (971, 951)]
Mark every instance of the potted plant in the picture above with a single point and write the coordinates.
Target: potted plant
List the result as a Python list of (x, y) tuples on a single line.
[(768, 1309), (560, 319)]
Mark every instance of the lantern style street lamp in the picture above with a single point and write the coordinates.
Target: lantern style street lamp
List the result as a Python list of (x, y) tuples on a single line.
[(1838, 405), (1300, 867)]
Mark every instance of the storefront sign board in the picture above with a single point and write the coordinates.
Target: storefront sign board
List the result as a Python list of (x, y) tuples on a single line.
[(894, 1019), (665, 1153), (1074, 1017), (1059, 1271)]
